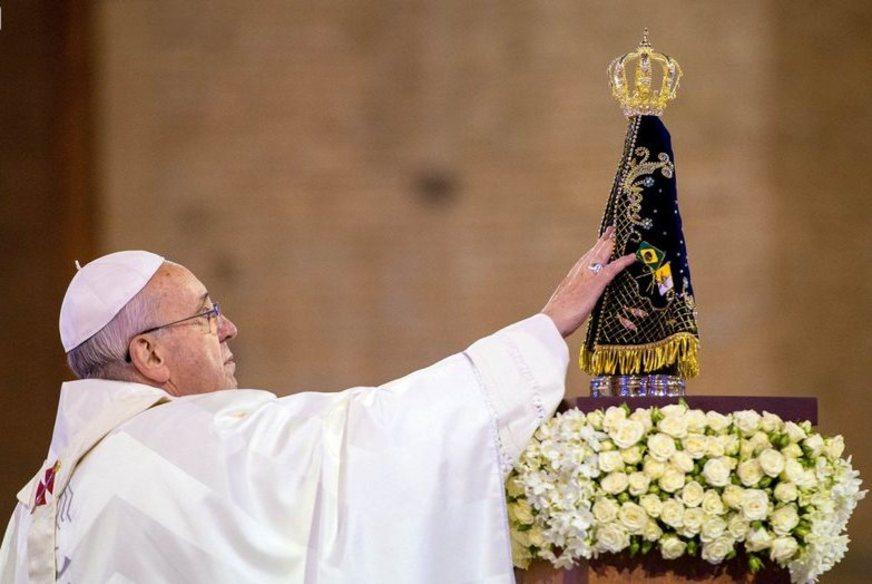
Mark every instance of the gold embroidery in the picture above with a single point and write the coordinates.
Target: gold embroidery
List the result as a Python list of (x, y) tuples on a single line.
[(636, 178)]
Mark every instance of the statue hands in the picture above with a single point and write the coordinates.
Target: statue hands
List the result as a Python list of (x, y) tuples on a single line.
[(575, 297)]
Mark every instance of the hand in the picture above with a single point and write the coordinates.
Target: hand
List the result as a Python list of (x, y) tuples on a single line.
[(575, 297)]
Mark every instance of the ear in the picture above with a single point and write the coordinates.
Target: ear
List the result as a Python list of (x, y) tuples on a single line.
[(148, 359)]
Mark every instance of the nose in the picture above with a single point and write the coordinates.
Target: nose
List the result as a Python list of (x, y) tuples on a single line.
[(226, 329)]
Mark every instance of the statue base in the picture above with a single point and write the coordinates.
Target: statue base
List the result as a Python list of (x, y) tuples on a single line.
[(655, 385)]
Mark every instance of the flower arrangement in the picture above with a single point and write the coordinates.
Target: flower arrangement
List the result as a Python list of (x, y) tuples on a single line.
[(685, 482)]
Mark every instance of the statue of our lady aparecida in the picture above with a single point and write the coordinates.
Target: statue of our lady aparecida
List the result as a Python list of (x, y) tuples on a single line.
[(642, 337)]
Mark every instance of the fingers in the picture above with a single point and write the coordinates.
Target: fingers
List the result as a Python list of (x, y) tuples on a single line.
[(604, 247), (617, 266), (599, 253)]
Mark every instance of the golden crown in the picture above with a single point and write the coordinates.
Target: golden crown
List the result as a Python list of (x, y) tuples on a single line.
[(640, 99)]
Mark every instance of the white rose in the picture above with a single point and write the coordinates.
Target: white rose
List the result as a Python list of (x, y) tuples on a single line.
[(792, 451), (771, 462), (692, 521), (626, 433), (782, 549), (632, 455), (738, 526), (682, 461), (672, 513), (673, 410), (521, 512), (536, 536), (714, 446), (696, 421), (835, 446), (712, 528), (809, 479), (784, 519), (611, 538), (760, 440), (746, 449), (814, 443), (731, 444), (610, 461), (755, 504), (672, 480), (748, 421), (675, 426), (633, 518), (605, 510), (786, 492), (770, 422), (717, 422), (732, 496), (793, 471), (758, 539), (514, 486), (716, 550), (595, 419), (794, 432), (520, 543), (639, 483), (692, 494), (654, 468), (644, 416), (652, 504), (671, 547), (696, 445), (612, 417), (750, 472), (614, 483), (716, 472), (661, 447), (712, 503), (652, 531)]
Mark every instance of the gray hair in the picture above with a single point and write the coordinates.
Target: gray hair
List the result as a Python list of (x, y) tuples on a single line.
[(103, 355)]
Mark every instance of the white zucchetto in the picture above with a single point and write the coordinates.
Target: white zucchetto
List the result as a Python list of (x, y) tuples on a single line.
[(100, 289)]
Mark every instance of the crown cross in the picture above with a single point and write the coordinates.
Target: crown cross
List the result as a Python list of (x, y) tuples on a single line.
[(655, 80)]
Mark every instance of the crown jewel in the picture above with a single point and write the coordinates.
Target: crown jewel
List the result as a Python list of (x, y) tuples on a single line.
[(640, 98)]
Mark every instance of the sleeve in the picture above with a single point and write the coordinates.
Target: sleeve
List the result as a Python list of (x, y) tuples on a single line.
[(521, 370), (510, 381)]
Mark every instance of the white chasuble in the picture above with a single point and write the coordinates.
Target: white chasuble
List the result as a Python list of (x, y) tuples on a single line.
[(398, 483)]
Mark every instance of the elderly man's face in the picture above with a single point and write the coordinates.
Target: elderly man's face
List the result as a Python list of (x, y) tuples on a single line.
[(195, 352)]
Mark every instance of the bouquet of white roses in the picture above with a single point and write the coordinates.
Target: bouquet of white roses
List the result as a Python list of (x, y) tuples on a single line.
[(685, 482)]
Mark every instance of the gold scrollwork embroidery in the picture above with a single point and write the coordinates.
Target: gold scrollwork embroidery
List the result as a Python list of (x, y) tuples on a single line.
[(638, 177)]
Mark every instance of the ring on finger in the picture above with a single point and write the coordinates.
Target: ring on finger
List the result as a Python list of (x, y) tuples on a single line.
[(595, 267)]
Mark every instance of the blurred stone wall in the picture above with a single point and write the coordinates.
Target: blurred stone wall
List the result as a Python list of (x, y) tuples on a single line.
[(371, 186)]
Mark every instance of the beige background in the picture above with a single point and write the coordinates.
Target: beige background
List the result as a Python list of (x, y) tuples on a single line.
[(367, 187)]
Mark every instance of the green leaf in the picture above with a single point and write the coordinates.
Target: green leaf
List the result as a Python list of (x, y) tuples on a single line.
[(647, 546), (692, 547), (755, 564)]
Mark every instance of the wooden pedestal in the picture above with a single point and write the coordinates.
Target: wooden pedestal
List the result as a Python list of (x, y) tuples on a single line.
[(650, 569)]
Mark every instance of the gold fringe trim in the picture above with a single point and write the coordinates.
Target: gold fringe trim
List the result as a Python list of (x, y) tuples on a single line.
[(681, 349)]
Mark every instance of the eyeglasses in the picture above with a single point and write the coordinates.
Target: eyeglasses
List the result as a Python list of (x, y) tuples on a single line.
[(215, 312)]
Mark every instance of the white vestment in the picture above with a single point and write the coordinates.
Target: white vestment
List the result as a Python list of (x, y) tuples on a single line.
[(391, 484)]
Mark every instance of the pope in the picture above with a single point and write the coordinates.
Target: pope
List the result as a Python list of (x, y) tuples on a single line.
[(161, 470)]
